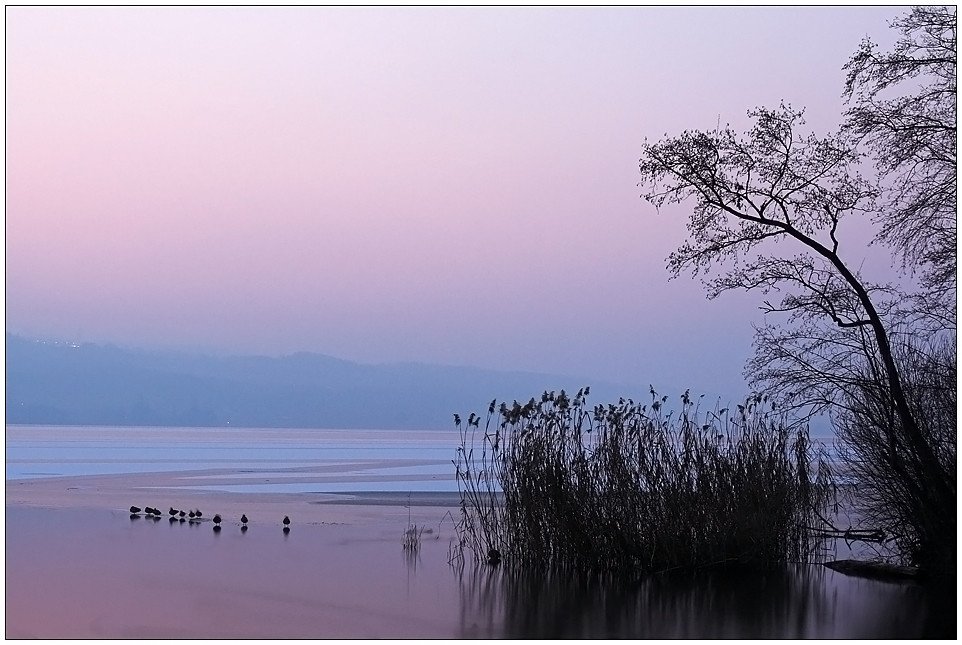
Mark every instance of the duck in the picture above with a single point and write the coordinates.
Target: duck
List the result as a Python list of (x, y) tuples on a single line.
[(134, 510), (244, 519)]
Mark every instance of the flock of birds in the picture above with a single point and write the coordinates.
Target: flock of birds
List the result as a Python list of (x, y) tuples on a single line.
[(194, 516)]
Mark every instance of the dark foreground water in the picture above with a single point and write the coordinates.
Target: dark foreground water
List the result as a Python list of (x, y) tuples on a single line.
[(74, 573), (795, 602)]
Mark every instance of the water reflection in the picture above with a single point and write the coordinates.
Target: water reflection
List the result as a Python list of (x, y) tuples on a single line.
[(791, 602)]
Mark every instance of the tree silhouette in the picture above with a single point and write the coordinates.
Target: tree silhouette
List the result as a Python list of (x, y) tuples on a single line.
[(767, 214)]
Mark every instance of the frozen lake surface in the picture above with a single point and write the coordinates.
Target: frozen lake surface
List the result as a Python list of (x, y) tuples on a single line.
[(260, 460)]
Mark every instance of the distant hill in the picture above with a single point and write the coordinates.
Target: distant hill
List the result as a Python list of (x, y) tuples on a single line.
[(58, 383)]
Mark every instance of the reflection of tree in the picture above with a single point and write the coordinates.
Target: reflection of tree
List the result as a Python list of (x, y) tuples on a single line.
[(791, 602)]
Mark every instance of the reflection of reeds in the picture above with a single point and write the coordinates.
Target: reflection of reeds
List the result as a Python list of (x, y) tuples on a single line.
[(627, 487), (412, 538), (790, 601)]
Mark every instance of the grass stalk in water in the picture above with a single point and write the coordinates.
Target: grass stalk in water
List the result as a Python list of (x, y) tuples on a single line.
[(626, 486)]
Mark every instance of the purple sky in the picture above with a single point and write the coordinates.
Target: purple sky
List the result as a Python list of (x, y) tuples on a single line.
[(452, 186)]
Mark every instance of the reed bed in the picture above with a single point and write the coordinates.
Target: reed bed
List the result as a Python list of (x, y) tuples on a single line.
[(630, 487)]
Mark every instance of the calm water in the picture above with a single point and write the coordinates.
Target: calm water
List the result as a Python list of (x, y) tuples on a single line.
[(77, 573), (324, 584)]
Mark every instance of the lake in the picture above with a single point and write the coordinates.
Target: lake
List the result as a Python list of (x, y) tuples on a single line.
[(80, 567), (322, 460)]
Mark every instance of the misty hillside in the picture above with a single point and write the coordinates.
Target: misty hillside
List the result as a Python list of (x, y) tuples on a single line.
[(60, 383)]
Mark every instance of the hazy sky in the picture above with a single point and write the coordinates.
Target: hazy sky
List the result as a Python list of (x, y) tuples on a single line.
[(452, 186)]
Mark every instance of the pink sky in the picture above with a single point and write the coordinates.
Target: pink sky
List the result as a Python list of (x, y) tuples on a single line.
[(451, 186)]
